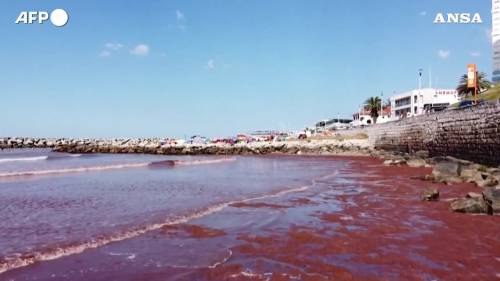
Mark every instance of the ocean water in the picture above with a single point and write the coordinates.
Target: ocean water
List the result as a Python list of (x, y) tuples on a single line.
[(55, 204)]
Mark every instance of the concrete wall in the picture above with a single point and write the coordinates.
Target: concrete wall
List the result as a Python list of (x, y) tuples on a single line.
[(472, 134)]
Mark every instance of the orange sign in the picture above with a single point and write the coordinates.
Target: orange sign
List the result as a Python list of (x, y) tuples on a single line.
[(471, 75)]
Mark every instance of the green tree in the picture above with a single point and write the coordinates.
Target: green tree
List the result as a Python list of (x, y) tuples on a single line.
[(373, 104), (482, 85)]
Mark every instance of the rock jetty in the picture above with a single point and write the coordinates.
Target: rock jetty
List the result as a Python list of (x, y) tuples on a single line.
[(157, 146)]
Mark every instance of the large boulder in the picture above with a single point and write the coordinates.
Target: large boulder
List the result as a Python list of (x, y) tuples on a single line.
[(472, 174), (422, 154), (491, 196), (449, 169), (468, 205), (395, 161), (416, 163)]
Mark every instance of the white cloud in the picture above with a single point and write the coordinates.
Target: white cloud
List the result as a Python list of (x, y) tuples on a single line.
[(475, 54), (140, 50), (105, 53), (444, 54), (423, 13), (179, 15), (109, 48), (113, 46), (210, 64)]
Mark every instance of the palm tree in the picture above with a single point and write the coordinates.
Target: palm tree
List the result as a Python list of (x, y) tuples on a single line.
[(482, 84), (373, 104)]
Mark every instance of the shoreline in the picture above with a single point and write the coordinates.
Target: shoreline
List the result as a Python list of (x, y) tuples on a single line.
[(445, 169)]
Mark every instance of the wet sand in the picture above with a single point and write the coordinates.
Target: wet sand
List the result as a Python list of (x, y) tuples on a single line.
[(365, 222)]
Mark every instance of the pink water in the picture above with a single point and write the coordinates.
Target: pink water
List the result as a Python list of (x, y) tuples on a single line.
[(139, 217), (54, 205)]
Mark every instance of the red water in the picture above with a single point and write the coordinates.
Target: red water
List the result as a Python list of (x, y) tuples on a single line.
[(365, 222)]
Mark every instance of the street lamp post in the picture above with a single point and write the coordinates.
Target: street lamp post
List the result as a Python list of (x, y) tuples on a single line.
[(420, 79)]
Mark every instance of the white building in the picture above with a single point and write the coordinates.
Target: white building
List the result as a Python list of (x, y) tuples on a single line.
[(417, 102), (363, 116), (495, 38), (361, 119), (332, 124)]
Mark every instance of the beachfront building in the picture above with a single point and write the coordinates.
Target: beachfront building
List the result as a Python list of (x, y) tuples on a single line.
[(363, 117), (385, 116), (332, 124), (495, 38), (360, 119), (269, 135), (417, 102)]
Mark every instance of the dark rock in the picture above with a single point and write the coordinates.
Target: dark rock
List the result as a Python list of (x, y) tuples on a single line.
[(430, 194), (468, 205), (422, 154), (449, 169), (491, 196)]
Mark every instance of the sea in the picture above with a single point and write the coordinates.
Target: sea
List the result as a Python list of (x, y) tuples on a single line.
[(54, 205)]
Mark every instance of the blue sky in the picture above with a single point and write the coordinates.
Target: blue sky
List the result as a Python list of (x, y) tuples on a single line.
[(175, 68)]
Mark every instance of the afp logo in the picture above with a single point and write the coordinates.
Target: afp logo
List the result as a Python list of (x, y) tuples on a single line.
[(58, 17)]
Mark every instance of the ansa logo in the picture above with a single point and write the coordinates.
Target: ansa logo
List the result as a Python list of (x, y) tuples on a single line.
[(458, 18)]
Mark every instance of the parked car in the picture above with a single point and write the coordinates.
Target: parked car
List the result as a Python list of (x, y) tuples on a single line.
[(468, 103)]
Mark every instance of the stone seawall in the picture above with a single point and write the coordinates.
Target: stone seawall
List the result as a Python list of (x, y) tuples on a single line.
[(471, 134)]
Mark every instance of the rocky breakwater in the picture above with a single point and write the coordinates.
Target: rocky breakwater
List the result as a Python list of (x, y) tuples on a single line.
[(158, 146), (8, 142), (153, 146)]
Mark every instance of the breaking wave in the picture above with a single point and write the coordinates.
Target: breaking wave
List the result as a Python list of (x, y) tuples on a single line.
[(38, 158), (156, 164), (168, 163), (57, 157), (23, 159), (205, 161), (26, 259), (71, 170)]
